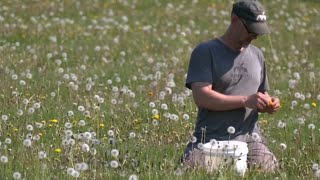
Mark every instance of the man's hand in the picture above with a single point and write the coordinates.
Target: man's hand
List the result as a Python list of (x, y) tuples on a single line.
[(257, 101)]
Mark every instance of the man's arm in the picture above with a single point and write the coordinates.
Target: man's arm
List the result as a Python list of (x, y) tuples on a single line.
[(205, 97)]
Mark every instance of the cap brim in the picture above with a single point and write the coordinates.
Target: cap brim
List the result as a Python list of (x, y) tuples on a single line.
[(258, 27)]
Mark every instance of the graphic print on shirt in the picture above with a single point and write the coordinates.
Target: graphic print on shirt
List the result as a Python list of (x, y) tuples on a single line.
[(239, 72)]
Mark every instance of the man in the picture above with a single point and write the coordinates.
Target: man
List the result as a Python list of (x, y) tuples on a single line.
[(229, 83)]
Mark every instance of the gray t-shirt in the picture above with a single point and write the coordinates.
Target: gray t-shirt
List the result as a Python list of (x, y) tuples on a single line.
[(231, 73)]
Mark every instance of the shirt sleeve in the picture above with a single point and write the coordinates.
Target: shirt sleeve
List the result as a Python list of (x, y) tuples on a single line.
[(264, 86), (200, 66)]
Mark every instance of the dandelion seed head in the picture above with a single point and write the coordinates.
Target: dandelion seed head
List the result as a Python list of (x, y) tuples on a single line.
[(132, 135), (70, 113), (311, 126), (16, 175), (3, 159), (68, 125), (283, 146), (200, 146), (85, 147), (133, 177), (42, 155), (114, 152), (81, 108), (4, 117), (152, 104), (7, 141), (29, 127), (185, 117), (114, 164), (111, 133), (27, 142), (231, 130), (193, 139)]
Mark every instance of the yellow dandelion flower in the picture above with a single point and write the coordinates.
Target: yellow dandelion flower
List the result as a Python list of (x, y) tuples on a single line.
[(50, 125), (44, 122), (314, 104), (15, 129), (58, 150), (54, 120), (156, 116), (101, 125), (150, 93)]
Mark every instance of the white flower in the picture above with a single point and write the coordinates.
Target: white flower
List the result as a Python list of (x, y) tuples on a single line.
[(155, 122), (7, 141), (185, 117), (37, 105), (154, 111), (152, 104), (27, 142), (281, 124), (68, 133), (42, 155), (193, 139), (231, 130), (68, 125), (81, 108), (200, 146), (111, 133), (4, 117), (85, 147), (213, 142), (300, 121), (311, 126), (4, 159), (87, 135), (31, 110), (114, 164), (164, 106), (132, 135), (70, 113), (70, 171), (133, 177), (82, 122), (283, 146), (16, 175), (29, 127), (255, 137), (19, 112), (114, 152)]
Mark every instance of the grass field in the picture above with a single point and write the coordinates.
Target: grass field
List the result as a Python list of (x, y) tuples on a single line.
[(95, 89)]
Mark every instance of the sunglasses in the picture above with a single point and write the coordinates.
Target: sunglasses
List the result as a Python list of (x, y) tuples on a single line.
[(249, 32)]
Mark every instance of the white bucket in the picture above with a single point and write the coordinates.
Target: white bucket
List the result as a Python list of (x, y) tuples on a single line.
[(223, 153)]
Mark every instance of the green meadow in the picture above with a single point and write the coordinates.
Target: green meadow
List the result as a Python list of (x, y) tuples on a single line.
[(95, 89)]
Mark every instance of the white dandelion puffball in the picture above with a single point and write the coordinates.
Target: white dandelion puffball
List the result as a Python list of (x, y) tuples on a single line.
[(231, 130), (114, 152), (283, 146), (133, 177), (114, 164), (4, 159), (85, 147), (27, 142), (42, 155), (16, 175)]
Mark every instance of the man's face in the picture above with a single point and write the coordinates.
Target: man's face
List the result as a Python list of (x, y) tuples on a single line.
[(246, 36)]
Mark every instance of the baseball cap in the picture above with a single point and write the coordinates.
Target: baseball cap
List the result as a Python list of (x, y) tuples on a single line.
[(253, 15)]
